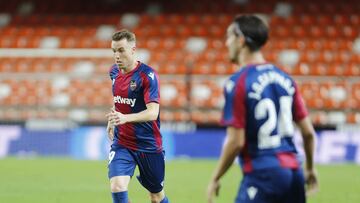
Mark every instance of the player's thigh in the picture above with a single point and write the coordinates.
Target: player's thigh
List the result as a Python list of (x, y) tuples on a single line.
[(152, 171), (121, 163)]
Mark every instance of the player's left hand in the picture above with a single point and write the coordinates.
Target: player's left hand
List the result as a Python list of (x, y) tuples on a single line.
[(116, 118), (312, 185), (213, 190)]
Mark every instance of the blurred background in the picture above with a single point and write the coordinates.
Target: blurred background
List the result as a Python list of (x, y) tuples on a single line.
[(55, 89)]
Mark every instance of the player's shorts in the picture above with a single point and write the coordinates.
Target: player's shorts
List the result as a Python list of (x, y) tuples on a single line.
[(122, 162), (277, 185)]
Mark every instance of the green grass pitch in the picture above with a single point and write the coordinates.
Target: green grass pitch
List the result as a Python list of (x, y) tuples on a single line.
[(60, 180)]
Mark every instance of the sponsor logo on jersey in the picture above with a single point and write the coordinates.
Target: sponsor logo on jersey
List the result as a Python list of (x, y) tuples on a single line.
[(132, 85), (123, 100)]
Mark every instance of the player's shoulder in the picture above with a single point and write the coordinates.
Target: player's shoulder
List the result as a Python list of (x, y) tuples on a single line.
[(238, 74), (147, 70), (281, 70), (234, 80), (113, 71), (284, 73), (269, 67)]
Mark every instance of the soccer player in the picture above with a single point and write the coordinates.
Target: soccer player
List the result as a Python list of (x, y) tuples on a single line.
[(134, 123), (261, 103)]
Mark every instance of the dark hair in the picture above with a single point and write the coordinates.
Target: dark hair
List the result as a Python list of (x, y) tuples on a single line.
[(254, 30), (124, 34)]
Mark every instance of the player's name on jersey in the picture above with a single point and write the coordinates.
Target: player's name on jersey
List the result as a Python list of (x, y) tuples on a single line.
[(267, 78), (123, 100)]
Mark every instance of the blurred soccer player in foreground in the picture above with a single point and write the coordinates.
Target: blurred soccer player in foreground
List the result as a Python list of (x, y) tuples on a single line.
[(134, 123), (261, 103)]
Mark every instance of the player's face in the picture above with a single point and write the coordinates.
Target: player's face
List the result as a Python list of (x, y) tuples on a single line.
[(124, 53), (232, 44)]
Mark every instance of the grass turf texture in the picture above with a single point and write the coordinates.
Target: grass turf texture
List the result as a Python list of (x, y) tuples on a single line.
[(72, 181)]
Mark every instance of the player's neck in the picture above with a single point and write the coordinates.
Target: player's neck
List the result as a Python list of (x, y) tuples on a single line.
[(131, 67), (247, 58)]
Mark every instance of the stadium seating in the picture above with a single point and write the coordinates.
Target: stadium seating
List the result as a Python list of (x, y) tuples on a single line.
[(322, 37)]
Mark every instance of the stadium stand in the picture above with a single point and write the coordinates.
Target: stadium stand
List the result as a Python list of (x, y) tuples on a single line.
[(317, 42)]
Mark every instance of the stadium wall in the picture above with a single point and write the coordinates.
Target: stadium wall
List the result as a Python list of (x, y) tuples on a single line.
[(90, 142)]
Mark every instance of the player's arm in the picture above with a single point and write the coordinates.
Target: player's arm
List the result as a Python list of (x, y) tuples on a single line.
[(300, 115), (234, 142), (308, 135), (110, 128), (234, 118), (151, 113)]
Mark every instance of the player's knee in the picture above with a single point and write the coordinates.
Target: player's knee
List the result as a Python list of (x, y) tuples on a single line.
[(119, 183), (116, 187), (157, 197)]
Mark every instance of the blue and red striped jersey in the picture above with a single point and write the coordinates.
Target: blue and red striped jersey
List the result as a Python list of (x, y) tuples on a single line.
[(132, 91), (264, 101)]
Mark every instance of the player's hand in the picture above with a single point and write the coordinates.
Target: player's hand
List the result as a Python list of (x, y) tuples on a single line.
[(213, 190), (311, 182), (116, 118), (110, 131)]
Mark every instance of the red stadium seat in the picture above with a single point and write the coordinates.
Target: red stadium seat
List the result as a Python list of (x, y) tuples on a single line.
[(193, 19), (175, 19), (202, 67), (353, 69), (353, 118), (169, 67), (173, 93), (354, 20), (167, 30), (325, 19)]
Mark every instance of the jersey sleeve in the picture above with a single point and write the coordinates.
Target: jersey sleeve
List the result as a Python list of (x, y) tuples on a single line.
[(234, 112), (299, 109), (151, 87)]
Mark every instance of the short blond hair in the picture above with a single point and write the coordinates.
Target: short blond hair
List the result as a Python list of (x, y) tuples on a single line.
[(124, 34)]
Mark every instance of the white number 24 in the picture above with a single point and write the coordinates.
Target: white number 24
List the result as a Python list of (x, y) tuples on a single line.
[(282, 121)]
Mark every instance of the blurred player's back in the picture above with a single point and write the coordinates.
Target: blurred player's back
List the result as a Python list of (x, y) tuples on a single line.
[(261, 103), (272, 103), (266, 102)]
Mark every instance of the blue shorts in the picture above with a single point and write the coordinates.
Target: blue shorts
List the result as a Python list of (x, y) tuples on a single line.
[(277, 185), (122, 162)]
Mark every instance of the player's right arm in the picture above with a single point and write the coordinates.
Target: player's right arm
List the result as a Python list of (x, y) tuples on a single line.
[(234, 142), (234, 118), (110, 128), (113, 72)]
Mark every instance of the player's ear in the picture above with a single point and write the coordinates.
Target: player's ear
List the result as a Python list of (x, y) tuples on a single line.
[(133, 49), (241, 41)]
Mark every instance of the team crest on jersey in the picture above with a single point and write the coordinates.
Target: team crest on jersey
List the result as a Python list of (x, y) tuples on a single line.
[(132, 85)]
